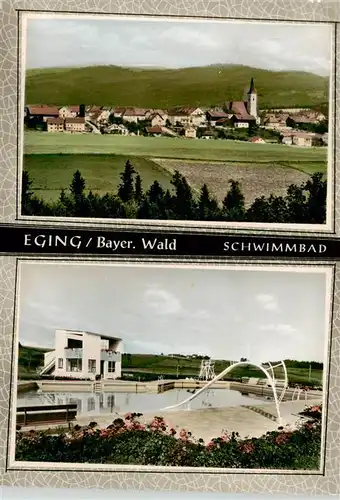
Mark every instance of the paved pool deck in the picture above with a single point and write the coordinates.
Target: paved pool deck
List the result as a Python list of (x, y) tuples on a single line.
[(252, 421)]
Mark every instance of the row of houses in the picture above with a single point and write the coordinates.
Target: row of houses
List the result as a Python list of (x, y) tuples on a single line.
[(281, 121), (239, 114)]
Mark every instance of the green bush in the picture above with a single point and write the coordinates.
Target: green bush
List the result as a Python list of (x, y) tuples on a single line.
[(128, 441)]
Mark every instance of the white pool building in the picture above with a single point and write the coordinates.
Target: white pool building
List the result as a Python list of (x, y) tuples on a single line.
[(84, 355)]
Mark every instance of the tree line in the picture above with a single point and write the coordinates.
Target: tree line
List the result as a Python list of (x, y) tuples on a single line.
[(303, 204)]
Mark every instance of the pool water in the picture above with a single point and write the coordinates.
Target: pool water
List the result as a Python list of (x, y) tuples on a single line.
[(120, 402)]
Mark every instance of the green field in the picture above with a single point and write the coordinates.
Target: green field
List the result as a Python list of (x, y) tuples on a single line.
[(52, 172), (163, 88), (52, 159), (308, 159), (31, 358), (144, 363)]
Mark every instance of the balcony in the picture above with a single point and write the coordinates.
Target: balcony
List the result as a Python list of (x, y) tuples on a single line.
[(75, 353), (109, 355)]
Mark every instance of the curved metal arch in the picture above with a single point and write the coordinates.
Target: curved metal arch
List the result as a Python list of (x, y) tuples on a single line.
[(269, 377)]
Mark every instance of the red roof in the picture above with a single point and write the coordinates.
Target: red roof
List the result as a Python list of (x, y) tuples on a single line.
[(119, 110), (181, 111), (43, 110), (154, 130), (238, 108), (75, 120), (256, 139), (135, 112), (216, 114), (55, 121), (305, 135)]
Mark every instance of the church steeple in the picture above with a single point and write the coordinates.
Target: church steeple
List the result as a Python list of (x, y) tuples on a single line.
[(252, 89), (252, 100)]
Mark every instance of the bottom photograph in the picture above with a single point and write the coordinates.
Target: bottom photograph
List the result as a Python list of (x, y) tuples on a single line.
[(171, 365)]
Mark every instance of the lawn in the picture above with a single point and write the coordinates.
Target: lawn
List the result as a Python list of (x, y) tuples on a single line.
[(52, 172), (177, 148), (52, 159)]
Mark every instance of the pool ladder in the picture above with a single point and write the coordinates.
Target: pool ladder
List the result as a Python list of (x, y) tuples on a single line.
[(98, 386)]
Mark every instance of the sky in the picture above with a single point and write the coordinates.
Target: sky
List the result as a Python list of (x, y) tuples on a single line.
[(83, 41), (223, 313)]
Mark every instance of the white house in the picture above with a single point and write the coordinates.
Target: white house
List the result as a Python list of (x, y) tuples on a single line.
[(84, 355)]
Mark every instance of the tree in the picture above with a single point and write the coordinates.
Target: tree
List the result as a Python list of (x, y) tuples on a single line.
[(126, 187), (77, 188), (253, 129), (316, 189), (26, 193), (233, 203), (183, 202), (138, 189), (153, 205), (207, 206)]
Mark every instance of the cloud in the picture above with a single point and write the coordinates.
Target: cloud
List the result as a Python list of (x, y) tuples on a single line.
[(174, 44), (281, 328), (186, 36), (161, 301), (268, 302)]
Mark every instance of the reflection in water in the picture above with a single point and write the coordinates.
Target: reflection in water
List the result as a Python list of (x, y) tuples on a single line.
[(120, 402)]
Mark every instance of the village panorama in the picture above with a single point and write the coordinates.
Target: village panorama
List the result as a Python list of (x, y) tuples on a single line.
[(293, 126), (260, 165)]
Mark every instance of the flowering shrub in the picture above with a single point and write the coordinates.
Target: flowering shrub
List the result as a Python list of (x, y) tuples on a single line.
[(128, 441)]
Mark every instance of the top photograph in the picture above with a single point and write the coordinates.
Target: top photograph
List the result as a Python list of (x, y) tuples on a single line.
[(176, 122)]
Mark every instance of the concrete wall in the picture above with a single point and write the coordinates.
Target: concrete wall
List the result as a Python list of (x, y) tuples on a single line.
[(27, 386)]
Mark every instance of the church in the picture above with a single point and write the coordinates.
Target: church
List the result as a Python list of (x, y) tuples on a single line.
[(244, 113)]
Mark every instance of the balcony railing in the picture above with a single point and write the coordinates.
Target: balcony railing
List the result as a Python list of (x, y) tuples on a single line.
[(109, 355), (75, 353)]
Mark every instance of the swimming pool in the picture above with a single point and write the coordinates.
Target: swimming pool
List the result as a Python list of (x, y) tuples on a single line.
[(122, 402)]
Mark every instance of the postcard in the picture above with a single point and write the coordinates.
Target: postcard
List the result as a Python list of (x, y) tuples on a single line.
[(140, 367), (166, 121)]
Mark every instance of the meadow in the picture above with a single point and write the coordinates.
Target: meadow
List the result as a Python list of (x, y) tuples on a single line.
[(52, 159), (309, 159), (162, 88)]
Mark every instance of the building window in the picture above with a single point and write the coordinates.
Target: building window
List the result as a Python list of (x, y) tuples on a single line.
[(91, 404), (92, 366), (74, 365), (60, 363), (111, 366)]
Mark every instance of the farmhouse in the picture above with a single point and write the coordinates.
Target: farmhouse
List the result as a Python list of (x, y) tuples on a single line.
[(155, 131), (84, 355), (303, 139), (215, 115), (190, 132), (117, 129), (75, 124), (41, 113), (69, 111), (157, 119), (276, 121), (134, 114), (187, 116), (54, 125)]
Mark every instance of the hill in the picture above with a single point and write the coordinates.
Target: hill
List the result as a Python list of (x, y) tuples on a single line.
[(200, 86)]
